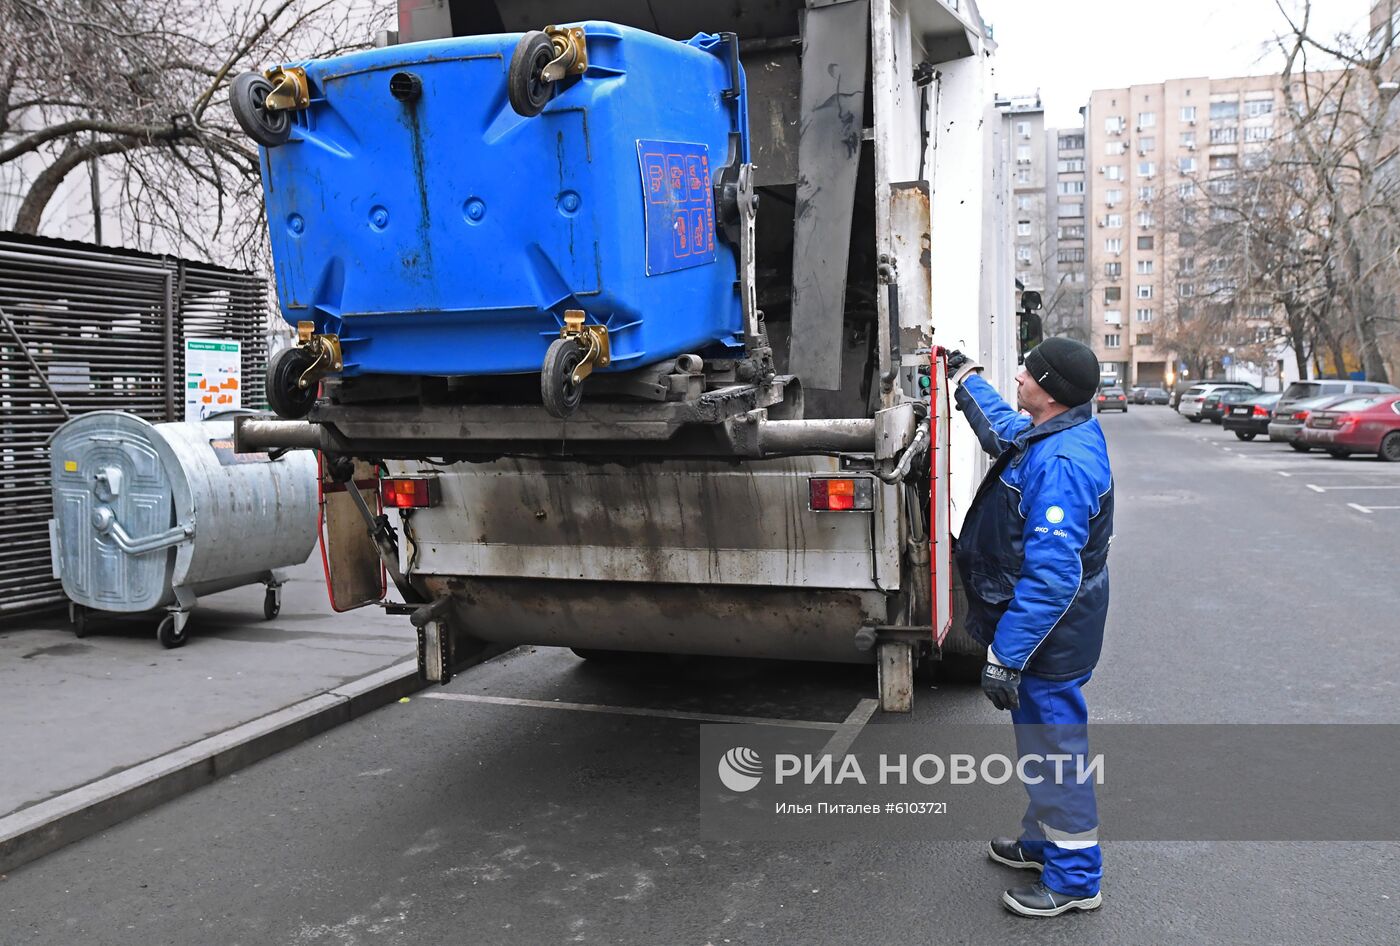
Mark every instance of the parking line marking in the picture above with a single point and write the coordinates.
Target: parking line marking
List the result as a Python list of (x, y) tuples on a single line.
[(840, 741), (1359, 508), (1333, 489), (637, 711), (1376, 471), (1370, 508)]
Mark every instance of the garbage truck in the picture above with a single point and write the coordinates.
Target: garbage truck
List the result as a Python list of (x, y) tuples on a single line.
[(621, 326)]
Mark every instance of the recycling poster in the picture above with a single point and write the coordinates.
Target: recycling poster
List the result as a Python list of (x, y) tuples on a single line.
[(213, 376)]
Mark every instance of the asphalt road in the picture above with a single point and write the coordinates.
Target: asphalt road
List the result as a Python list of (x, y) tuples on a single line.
[(1239, 594)]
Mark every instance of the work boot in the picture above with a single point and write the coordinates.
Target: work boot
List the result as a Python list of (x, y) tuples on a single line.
[(1039, 900), (1008, 851)]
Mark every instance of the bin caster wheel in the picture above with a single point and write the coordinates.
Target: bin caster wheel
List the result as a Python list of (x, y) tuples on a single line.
[(272, 604), (248, 99), (80, 621), (168, 636), (561, 395), (527, 91), (284, 394)]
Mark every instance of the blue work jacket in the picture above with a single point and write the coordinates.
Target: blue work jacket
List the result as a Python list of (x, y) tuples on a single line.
[(1033, 550)]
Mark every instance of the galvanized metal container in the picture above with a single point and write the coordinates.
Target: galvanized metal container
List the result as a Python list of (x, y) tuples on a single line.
[(150, 516)]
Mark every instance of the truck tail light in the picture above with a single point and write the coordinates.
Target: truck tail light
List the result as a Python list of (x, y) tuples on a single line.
[(410, 492), (842, 495)]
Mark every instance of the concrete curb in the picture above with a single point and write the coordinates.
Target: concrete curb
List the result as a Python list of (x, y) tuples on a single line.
[(32, 832)]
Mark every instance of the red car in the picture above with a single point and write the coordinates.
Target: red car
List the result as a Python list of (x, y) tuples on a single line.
[(1361, 424)]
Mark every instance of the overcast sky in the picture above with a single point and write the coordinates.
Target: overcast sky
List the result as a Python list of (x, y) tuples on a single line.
[(1067, 48)]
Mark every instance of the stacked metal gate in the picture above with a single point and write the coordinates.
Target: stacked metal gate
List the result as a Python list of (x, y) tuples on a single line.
[(86, 328)]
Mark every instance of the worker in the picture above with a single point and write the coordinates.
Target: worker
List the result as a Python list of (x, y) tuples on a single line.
[(1032, 555)]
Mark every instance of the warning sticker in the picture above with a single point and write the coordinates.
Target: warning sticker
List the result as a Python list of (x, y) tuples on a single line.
[(679, 205)]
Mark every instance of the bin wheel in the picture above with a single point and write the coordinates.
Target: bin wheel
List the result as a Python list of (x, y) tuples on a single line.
[(272, 605), (168, 636), (561, 395), (248, 99), (528, 93), (283, 394), (80, 621)]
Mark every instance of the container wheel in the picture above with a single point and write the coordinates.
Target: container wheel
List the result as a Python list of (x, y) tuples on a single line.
[(272, 604), (168, 636), (1390, 447), (1245, 435), (80, 621), (527, 91), (283, 393), (1300, 447), (561, 395), (248, 99)]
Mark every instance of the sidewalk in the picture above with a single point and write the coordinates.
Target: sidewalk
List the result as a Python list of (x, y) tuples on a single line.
[(75, 711)]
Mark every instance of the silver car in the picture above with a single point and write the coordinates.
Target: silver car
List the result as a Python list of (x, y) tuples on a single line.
[(1191, 401)]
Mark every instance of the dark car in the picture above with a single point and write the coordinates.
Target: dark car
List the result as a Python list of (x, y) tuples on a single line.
[(1217, 403), (1154, 396), (1360, 424), (1111, 399), (1248, 419)]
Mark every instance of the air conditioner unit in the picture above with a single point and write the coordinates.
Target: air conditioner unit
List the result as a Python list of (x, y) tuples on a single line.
[(1191, 147), (1191, 121)]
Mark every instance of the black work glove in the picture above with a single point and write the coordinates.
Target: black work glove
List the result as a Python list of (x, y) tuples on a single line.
[(1000, 684), (956, 360)]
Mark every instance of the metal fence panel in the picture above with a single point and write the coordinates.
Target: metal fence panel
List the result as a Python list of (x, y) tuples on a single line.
[(86, 328)]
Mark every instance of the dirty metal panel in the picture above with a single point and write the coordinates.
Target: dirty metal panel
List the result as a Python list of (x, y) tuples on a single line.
[(774, 79), (354, 575), (910, 240), (833, 103), (750, 19), (693, 522)]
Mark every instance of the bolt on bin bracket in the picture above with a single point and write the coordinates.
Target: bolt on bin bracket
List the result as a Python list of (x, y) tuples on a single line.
[(290, 90), (570, 53), (594, 338), (326, 348)]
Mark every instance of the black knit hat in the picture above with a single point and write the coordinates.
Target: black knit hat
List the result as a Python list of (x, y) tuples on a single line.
[(1066, 369)]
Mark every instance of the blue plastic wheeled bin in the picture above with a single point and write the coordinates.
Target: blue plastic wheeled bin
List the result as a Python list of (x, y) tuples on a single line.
[(435, 230)]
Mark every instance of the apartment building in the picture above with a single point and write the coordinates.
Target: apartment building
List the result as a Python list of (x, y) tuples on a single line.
[(1066, 277), (1145, 145), (1032, 240)]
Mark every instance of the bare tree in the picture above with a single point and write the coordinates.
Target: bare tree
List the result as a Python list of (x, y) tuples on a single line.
[(141, 86)]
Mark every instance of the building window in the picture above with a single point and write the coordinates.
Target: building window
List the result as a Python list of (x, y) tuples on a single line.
[(1223, 162), (1113, 196), (1023, 253), (1147, 168), (1144, 268), (1113, 221), (1114, 124), (1113, 317), (1023, 175), (1187, 188), (1023, 228), (1113, 172), (1253, 108), (1186, 264), (1070, 256), (1144, 292), (1258, 132), (1072, 232), (1146, 119), (1224, 111), (1112, 340), (1186, 290), (1071, 143), (1113, 270), (1146, 143), (1226, 135), (1224, 185), (1188, 113), (1070, 166), (1070, 187), (1070, 210), (1145, 242), (1146, 192), (1188, 139), (1023, 202), (1186, 238), (1144, 315), (1145, 218), (1114, 148), (1023, 129), (1113, 245), (1023, 154), (1112, 293), (1144, 338), (1186, 165)]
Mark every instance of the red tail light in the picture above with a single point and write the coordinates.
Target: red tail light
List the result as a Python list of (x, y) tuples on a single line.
[(410, 492), (832, 495), (1346, 420), (1300, 415), (1260, 411)]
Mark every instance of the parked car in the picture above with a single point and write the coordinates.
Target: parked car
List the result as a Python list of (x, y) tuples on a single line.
[(1135, 394), (1194, 398), (1250, 418), (1111, 399), (1181, 387), (1363, 424), (1287, 421), (1217, 403), (1154, 396), (1300, 391)]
